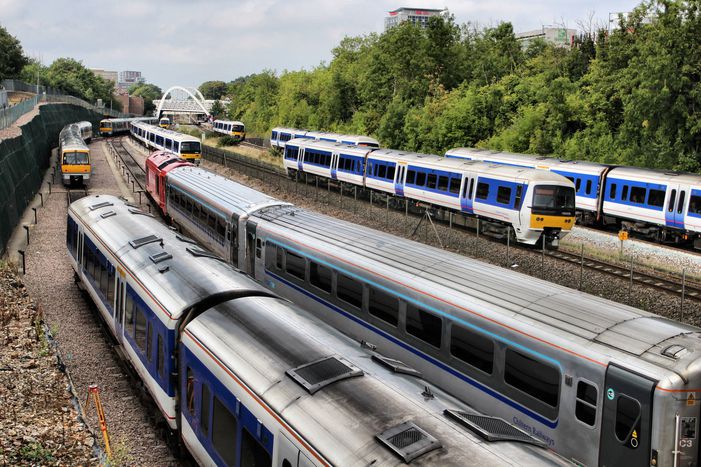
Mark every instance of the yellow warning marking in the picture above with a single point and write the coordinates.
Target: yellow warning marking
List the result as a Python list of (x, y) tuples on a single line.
[(635, 434)]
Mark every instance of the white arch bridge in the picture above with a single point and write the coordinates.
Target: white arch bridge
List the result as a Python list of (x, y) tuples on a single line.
[(189, 102)]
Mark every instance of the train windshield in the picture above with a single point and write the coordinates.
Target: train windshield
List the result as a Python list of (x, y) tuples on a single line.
[(190, 147), (105, 124), (75, 158), (237, 128), (553, 199)]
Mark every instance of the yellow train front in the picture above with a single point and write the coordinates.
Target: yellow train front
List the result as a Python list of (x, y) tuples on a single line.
[(164, 123), (234, 129), (74, 156)]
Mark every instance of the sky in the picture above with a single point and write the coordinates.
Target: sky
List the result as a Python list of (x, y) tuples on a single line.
[(187, 42)]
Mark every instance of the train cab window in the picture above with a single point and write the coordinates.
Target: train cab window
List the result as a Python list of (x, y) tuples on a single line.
[(190, 390), (224, 426), (160, 352), (443, 183), (627, 415), (320, 276), (637, 195), (349, 290), (384, 306), (588, 189), (140, 329), (472, 348), (431, 181), (612, 191), (455, 185), (532, 377), (655, 198), (482, 191), (672, 198), (585, 408), (624, 193), (410, 177), (424, 325), (295, 265), (421, 178), (253, 453), (503, 195), (204, 409)]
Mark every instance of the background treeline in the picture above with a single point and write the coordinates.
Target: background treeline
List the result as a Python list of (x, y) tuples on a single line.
[(628, 96)]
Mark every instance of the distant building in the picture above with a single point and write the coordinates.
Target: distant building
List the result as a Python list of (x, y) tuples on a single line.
[(415, 15), (129, 78), (108, 75), (560, 37), (130, 104)]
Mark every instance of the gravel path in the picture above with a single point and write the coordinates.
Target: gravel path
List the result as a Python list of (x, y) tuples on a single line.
[(88, 354)]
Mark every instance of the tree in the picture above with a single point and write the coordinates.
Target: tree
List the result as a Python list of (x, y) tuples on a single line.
[(149, 92), (218, 109), (73, 78), (12, 58), (213, 89)]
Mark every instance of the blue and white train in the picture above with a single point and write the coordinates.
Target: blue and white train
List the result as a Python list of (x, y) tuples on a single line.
[(279, 137), (536, 204), (247, 379), (660, 205), (157, 138)]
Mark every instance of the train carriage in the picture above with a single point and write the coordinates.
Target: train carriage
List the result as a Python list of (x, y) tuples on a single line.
[(156, 138), (280, 136), (246, 378), (234, 129), (116, 126), (74, 156), (85, 129)]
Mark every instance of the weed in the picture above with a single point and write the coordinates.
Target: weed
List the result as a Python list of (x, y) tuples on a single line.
[(35, 453)]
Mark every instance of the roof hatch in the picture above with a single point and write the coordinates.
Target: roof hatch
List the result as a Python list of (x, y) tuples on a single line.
[(100, 205), (139, 242), (408, 441), (491, 428), (395, 365), (320, 373)]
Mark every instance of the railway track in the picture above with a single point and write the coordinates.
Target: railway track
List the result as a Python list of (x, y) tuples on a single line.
[(675, 286), (136, 172)]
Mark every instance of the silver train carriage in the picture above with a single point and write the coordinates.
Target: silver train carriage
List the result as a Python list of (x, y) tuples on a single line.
[(157, 138), (85, 129), (249, 379), (279, 136), (116, 126), (74, 156), (599, 382), (535, 204), (233, 128)]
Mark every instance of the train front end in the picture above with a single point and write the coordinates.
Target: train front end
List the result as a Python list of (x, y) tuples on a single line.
[(191, 151), (75, 166), (238, 131), (550, 213), (105, 128)]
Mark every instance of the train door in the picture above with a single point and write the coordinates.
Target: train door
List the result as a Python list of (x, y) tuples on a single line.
[(119, 305), (334, 165), (289, 455), (466, 193), (79, 259), (251, 248), (399, 182), (680, 210), (300, 159), (627, 418), (234, 240)]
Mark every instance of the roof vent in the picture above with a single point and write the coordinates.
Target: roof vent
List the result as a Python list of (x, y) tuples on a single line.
[(139, 242), (200, 253), (107, 214), (162, 256), (320, 373), (395, 365), (139, 211), (182, 238), (674, 351), (492, 428), (101, 205), (408, 441)]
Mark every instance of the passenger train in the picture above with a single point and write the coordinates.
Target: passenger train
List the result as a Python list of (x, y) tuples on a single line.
[(235, 129), (660, 205), (279, 137), (164, 122), (74, 155), (116, 126), (185, 146), (85, 129), (535, 204), (245, 378), (599, 382)]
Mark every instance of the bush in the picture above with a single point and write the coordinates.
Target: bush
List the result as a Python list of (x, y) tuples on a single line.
[(228, 141)]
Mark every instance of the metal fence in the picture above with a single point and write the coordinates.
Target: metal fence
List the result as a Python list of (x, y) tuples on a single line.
[(20, 86)]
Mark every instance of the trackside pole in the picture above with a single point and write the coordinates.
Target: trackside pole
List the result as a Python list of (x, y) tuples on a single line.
[(94, 391)]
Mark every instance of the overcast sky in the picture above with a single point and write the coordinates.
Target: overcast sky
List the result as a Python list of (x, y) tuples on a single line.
[(186, 42)]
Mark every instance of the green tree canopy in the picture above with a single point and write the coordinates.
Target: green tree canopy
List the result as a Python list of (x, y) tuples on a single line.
[(213, 89), (149, 92), (12, 58)]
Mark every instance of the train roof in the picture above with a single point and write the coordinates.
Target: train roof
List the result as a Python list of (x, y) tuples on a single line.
[(261, 341), (534, 160), (655, 176), (220, 193), (160, 259), (129, 119), (233, 122), (70, 139), (329, 146), (84, 124), (174, 135), (290, 130), (587, 326)]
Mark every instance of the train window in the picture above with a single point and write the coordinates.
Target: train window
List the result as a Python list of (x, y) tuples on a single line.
[(533, 377), (140, 329), (588, 190), (695, 204), (627, 416), (274, 135), (482, 191), (655, 198), (149, 343), (159, 355), (410, 177), (612, 191), (431, 181), (578, 185), (585, 409), (670, 206), (637, 195), (176, 147), (443, 183), (384, 306), (349, 290), (320, 276), (382, 171), (204, 409), (421, 178), (472, 348), (472, 186), (624, 193), (519, 197), (503, 195), (110, 288), (295, 265), (424, 325), (259, 248), (680, 204), (224, 428), (455, 185), (253, 453), (190, 390), (129, 314)]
